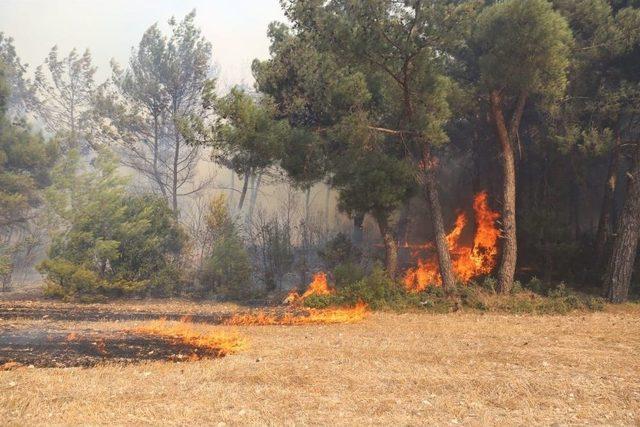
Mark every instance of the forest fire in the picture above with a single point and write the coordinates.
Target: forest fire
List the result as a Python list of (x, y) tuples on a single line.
[(183, 332), (469, 261), (306, 317), (318, 286)]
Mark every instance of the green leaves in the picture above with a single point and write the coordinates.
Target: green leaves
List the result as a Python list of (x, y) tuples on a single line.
[(523, 46)]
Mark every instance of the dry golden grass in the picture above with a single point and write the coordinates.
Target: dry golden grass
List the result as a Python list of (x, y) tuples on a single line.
[(405, 369)]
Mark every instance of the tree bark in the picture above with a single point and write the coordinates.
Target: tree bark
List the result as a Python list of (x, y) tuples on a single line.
[(507, 267), (245, 186), (254, 197), (390, 246), (603, 233), (623, 255), (428, 178)]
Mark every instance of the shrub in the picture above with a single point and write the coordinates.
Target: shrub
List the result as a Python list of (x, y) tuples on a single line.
[(377, 290), (228, 271), (347, 273), (111, 243), (535, 285)]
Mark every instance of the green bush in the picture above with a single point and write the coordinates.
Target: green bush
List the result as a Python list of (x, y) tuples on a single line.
[(377, 290), (111, 243), (228, 270), (347, 273)]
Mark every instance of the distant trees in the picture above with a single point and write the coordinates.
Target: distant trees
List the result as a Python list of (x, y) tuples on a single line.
[(244, 136), (20, 97), (64, 89), (145, 107)]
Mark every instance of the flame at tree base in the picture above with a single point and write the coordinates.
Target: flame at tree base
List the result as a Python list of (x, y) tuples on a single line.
[(468, 261)]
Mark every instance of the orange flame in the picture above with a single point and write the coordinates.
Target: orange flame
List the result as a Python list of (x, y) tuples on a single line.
[(309, 316), (185, 332), (318, 286), (468, 261)]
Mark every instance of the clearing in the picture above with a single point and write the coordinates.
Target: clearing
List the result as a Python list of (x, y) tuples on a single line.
[(411, 368)]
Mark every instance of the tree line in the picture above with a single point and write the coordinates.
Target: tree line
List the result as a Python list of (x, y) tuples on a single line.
[(393, 104)]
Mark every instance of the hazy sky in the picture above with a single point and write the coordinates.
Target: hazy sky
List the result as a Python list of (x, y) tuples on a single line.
[(109, 28)]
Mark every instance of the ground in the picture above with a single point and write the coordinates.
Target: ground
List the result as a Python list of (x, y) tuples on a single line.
[(408, 369)]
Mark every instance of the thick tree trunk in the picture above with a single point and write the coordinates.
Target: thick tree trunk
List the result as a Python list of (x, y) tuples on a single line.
[(605, 221), (245, 186), (623, 255), (390, 246), (428, 178), (507, 267)]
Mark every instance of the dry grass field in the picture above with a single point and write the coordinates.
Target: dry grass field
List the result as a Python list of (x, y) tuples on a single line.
[(390, 369)]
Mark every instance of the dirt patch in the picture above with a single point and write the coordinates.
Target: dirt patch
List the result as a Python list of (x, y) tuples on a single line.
[(49, 348)]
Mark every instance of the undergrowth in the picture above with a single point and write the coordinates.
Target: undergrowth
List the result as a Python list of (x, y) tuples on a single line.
[(380, 292)]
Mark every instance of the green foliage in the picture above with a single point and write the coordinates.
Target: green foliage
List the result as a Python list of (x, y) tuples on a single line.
[(245, 136), (109, 243), (373, 182), (523, 46), (227, 270), (347, 273), (377, 290)]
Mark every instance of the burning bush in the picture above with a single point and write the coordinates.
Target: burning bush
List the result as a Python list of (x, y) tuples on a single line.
[(376, 290), (469, 261)]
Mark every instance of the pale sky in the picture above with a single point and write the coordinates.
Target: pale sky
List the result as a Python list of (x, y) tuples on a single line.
[(110, 28)]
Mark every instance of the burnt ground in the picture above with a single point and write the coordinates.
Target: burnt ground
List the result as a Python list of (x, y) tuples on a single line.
[(93, 313), (40, 347), (50, 344)]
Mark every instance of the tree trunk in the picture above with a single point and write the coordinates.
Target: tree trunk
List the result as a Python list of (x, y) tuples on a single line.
[(245, 186), (327, 199), (507, 267), (156, 154), (604, 222), (403, 222), (623, 255), (254, 197), (307, 206), (175, 172), (358, 229), (232, 187), (428, 178), (390, 246)]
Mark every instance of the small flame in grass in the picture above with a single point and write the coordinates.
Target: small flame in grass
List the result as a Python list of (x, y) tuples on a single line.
[(318, 286), (185, 332), (308, 317), (468, 261), (71, 337)]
